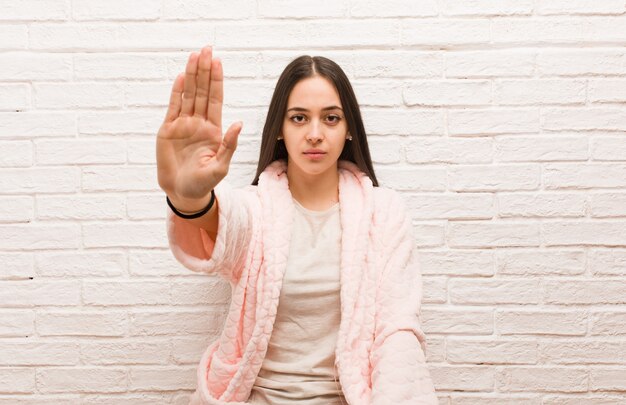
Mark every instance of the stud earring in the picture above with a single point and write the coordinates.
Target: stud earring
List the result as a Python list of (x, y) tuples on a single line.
[(349, 137)]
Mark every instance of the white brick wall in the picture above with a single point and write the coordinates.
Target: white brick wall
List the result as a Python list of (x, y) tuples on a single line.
[(503, 123)]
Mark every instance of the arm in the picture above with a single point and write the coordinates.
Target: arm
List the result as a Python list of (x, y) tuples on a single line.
[(399, 371)]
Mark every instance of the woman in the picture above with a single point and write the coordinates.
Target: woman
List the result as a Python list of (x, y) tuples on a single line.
[(313, 232)]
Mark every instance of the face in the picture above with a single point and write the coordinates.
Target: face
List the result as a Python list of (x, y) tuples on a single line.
[(314, 127)]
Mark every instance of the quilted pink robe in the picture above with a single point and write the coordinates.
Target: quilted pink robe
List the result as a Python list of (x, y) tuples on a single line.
[(380, 346)]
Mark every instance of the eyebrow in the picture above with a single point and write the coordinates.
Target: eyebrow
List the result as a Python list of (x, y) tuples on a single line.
[(332, 107)]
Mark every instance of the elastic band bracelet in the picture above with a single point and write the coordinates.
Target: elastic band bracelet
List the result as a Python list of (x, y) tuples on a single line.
[(195, 215)]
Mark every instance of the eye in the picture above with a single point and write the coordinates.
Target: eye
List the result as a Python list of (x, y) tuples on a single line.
[(334, 118), (295, 118)]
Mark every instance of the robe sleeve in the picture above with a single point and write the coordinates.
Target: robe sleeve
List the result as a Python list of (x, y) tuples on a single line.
[(195, 249), (399, 371)]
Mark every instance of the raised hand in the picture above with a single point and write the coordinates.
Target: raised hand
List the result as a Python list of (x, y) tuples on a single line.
[(192, 155)]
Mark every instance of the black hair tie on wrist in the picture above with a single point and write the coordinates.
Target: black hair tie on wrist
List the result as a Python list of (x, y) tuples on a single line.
[(197, 214)]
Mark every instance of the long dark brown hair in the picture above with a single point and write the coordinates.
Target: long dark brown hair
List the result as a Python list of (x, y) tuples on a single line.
[(305, 66)]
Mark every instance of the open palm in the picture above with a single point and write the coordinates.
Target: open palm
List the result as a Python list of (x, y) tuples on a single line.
[(192, 155)]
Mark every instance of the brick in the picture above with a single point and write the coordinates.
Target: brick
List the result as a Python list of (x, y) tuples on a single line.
[(124, 234), (79, 151), (126, 352), (444, 31), (41, 236), (81, 379), (248, 93), (135, 399), (17, 380), (540, 148), (494, 177), (35, 10), (93, 10), (589, 118), (123, 66), (16, 209), (492, 351), (610, 262), (541, 91), (13, 36), (146, 206), (107, 178), (352, 33), (463, 378), (16, 154), (569, 62), (608, 148), (155, 263), (416, 63), (538, 30), (451, 206), (412, 178), (584, 175), (120, 122), (587, 352), (606, 205), (541, 205), (372, 94), (147, 94), (385, 150), (448, 92), (27, 293), (543, 379), (139, 292), (303, 9), (458, 320), (40, 180), (471, 121), (494, 292), (607, 379), (83, 206), (189, 350), (574, 292), (78, 95), (449, 150), (201, 10), (402, 121), (583, 233), (17, 323), (71, 323), (541, 322), (487, 8), (81, 264), (394, 8), (572, 7), (14, 97), (429, 235), (17, 266), (173, 322), (607, 90), (457, 262), (18, 66), (36, 124), (211, 291), (38, 353), (489, 63), (261, 35), (162, 378), (607, 323), (537, 262), (493, 234)]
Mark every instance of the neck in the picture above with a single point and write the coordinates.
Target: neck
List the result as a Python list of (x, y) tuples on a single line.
[(315, 192)]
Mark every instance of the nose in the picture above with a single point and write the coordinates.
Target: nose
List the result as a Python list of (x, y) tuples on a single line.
[(315, 133)]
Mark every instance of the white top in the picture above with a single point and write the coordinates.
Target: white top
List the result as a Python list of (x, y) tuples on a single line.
[(299, 364)]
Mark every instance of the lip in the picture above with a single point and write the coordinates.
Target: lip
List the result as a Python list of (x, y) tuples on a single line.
[(314, 154)]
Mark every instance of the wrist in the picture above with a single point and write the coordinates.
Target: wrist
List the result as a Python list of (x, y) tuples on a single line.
[(190, 209)]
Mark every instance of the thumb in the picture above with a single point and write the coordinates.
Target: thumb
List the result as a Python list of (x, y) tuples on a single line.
[(229, 143)]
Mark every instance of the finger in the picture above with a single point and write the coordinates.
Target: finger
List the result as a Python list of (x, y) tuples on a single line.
[(202, 80), (229, 144), (216, 93), (173, 109), (189, 93)]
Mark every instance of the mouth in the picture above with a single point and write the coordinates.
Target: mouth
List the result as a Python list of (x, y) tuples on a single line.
[(314, 154)]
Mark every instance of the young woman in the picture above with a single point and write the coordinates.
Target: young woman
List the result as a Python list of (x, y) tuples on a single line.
[(326, 290)]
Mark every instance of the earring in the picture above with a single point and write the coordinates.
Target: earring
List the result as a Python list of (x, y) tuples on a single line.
[(280, 138), (349, 137)]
